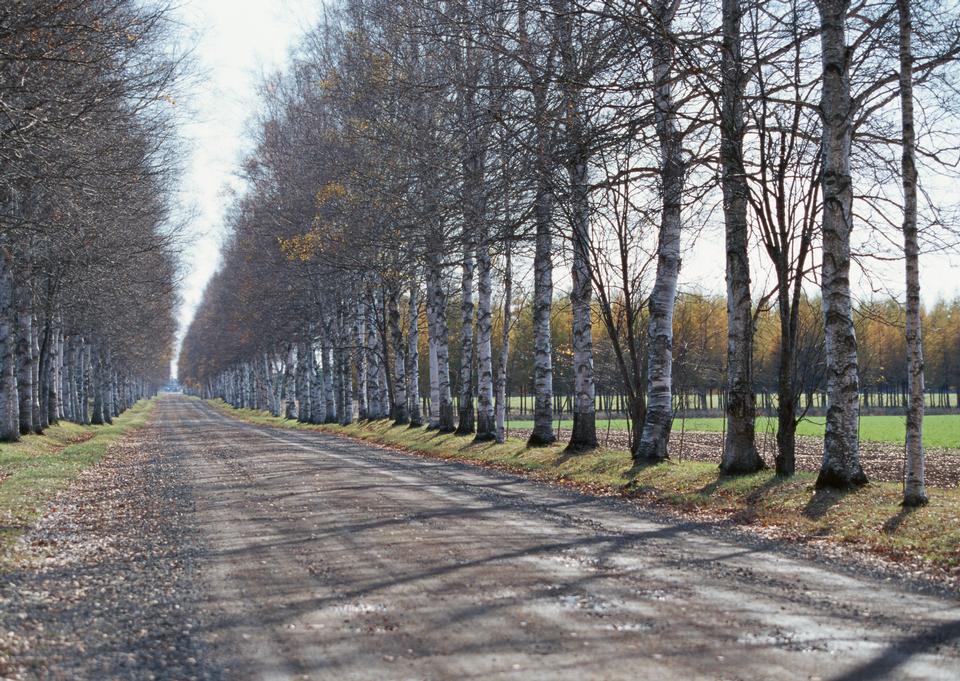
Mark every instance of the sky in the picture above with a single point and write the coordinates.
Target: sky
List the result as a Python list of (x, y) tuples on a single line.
[(236, 42)]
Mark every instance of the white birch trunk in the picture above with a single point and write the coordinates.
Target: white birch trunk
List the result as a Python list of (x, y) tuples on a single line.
[(652, 445), (584, 432), (37, 417), (287, 383), (739, 449), (501, 405), (303, 385), (440, 359), (413, 359), (401, 412), (841, 446), (345, 371), (465, 419), (329, 387), (914, 490), (542, 433), (486, 425), (375, 401), (360, 359)]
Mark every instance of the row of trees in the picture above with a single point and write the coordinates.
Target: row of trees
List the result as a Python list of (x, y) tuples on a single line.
[(87, 260), (699, 352), (417, 153)]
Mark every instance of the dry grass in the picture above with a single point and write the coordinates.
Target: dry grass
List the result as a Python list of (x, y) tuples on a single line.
[(33, 470)]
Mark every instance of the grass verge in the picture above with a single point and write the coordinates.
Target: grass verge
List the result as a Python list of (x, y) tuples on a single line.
[(33, 470), (869, 519)]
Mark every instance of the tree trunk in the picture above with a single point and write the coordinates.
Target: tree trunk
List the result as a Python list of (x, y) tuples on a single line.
[(96, 385), (413, 360), (501, 407), (437, 302), (486, 427), (583, 434), (542, 306), (841, 446), (303, 383), (373, 366), (360, 358), (329, 383), (786, 460), (739, 448), (25, 359), (401, 414), (344, 372), (659, 417), (465, 417), (914, 490), (36, 417), (9, 395)]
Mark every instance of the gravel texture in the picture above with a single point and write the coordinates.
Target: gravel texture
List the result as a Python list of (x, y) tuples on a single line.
[(205, 548), (336, 559), (102, 587)]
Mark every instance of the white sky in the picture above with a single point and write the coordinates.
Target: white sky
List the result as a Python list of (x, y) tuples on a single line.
[(236, 41)]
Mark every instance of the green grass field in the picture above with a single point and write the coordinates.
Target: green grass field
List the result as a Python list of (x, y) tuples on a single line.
[(33, 470), (938, 430)]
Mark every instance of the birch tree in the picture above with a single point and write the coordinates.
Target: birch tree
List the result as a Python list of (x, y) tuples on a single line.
[(914, 491), (841, 449), (739, 449)]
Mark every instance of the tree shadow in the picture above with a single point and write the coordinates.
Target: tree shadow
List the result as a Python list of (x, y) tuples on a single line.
[(822, 501), (894, 522), (631, 486)]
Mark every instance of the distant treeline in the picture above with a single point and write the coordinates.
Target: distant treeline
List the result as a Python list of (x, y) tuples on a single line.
[(699, 354)]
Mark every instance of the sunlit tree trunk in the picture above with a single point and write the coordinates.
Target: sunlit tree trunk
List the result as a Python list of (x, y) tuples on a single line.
[(288, 383), (317, 411), (914, 490), (37, 417), (345, 371), (841, 446), (542, 433), (437, 327), (659, 417), (576, 154), (304, 368), (465, 418), (329, 368), (360, 359), (502, 397), (374, 403), (739, 449), (486, 427)]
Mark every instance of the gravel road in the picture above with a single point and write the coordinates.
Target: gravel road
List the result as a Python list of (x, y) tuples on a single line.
[(315, 557)]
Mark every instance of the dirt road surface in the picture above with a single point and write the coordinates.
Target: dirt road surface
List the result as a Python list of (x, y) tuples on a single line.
[(324, 558)]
